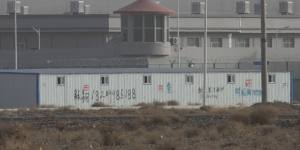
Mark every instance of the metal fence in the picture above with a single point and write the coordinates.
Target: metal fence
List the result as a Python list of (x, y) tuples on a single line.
[(283, 66)]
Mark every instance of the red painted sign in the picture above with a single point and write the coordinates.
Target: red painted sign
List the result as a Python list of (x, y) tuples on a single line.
[(248, 83), (86, 88), (161, 88)]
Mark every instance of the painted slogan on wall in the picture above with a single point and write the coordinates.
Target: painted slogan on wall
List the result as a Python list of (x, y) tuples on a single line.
[(247, 90), (212, 92), (85, 95), (167, 88)]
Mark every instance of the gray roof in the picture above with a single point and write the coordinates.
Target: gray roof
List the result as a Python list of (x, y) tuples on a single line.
[(117, 71), (48, 23), (220, 8)]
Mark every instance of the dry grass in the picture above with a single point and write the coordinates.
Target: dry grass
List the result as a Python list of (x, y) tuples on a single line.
[(172, 103), (228, 135), (258, 114), (263, 115), (157, 129), (100, 104), (206, 108)]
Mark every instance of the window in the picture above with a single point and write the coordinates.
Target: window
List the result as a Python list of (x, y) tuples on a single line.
[(159, 35), (124, 27), (196, 7), (138, 28), (138, 35), (124, 20), (104, 80), (147, 79), (243, 7), (230, 78), (149, 35), (242, 42), (138, 21), (60, 81), (148, 28), (289, 42), (269, 42), (216, 42), (189, 79), (272, 78), (286, 7), (149, 21), (257, 9), (159, 28), (124, 35), (193, 42)]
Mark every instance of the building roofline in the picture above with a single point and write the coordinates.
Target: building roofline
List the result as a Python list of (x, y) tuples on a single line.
[(120, 71)]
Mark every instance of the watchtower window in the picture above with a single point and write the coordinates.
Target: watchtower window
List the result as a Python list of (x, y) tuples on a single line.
[(138, 28), (159, 28), (148, 28), (124, 22)]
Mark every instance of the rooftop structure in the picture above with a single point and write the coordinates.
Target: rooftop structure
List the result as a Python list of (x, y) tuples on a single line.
[(145, 6)]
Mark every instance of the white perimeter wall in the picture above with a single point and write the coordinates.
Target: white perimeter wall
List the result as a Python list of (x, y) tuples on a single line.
[(124, 90)]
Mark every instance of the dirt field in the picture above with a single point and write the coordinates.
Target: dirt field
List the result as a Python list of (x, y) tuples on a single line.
[(255, 128)]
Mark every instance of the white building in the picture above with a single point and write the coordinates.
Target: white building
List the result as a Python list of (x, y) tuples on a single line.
[(81, 88)]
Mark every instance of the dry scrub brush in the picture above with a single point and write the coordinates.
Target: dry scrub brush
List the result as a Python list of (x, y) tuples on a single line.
[(261, 114)]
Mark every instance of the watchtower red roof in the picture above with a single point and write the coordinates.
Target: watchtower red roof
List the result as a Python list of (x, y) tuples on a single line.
[(145, 6)]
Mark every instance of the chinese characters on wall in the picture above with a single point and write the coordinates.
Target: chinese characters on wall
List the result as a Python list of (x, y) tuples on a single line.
[(86, 96)]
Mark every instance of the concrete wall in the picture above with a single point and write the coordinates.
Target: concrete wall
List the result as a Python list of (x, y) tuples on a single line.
[(18, 90)]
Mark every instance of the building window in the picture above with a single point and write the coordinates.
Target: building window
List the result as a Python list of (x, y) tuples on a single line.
[(257, 9), (216, 42), (289, 42), (196, 8), (286, 7), (60, 81), (193, 42), (272, 78), (243, 7), (138, 28), (230, 78), (242, 42), (159, 28), (149, 28), (147, 79), (189, 79), (104, 80), (124, 27), (124, 35), (269, 42)]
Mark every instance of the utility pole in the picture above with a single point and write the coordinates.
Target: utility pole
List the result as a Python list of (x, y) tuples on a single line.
[(264, 68), (178, 36), (38, 32), (205, 56), (16, 35)]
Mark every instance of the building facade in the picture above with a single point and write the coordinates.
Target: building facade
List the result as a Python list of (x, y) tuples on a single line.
[(88, 34), (122, 88)]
